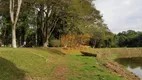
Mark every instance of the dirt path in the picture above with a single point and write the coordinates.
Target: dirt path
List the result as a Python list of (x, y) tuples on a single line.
[(60, 72)]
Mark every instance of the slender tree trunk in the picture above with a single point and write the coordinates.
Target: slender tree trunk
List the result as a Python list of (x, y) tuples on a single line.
[(45, 38), (14, 37), (14, 19), (36, 36), (95, 42)]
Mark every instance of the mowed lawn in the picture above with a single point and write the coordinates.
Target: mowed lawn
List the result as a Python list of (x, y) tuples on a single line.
[(47, 64)]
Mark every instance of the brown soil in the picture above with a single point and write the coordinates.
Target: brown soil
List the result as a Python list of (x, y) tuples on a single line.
[(116, 68), (60, 72)]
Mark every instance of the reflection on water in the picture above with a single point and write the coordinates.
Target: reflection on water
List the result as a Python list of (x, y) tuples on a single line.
[(137, 71), (133, 64)]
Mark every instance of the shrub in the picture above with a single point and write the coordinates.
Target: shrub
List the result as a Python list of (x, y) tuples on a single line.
[(55, 43), (72, 40)]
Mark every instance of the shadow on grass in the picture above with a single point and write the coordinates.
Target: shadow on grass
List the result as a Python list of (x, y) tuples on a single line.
[(54, 51), (84, 55), (9, 71)]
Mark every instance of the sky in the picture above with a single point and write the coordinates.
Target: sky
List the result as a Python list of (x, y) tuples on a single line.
[(121, 15)]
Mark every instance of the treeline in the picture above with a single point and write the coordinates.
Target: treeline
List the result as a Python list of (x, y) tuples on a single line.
[(60, 23), (129, 38)]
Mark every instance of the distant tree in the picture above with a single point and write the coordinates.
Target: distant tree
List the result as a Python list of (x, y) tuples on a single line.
[(129, 38)]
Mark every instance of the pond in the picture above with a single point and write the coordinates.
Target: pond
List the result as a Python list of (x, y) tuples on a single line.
[(133, 64)]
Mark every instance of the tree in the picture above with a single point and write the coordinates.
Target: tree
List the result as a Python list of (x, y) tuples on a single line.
[(43, 20), (14, 19), (49, 14), (129, 38)]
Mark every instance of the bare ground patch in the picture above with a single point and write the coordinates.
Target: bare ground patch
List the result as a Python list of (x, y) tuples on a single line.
[(60, 72)]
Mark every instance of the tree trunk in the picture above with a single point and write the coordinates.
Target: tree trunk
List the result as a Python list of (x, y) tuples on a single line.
[(46, 43), (95, 42), (14, 19), (14, 37)]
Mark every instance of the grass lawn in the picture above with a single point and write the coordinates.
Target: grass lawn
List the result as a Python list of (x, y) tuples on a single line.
[(47, 64)]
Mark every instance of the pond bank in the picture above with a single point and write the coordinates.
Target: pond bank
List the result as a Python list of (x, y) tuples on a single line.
[(133, 64), (106, 58)]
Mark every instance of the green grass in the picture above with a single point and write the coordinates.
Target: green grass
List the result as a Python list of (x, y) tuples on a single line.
[(46, 64)]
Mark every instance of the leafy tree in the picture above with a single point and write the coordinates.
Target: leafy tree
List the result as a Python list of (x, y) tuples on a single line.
[(129, 38)]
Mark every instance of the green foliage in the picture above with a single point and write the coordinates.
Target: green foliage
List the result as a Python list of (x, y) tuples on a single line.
[(129, 38), (101, 36), (40, 20), (5, 30)]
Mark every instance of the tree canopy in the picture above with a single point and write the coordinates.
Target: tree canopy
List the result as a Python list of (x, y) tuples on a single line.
[(41, 21)]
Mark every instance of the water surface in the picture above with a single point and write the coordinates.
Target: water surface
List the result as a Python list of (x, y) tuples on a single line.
[(133, 64)]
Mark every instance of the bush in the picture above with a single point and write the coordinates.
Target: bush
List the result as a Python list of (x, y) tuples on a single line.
[(55, 43), (72, 40)]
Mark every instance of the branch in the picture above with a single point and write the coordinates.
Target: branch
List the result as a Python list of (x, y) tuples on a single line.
[(18, 11), (11, 7), (52, 28)]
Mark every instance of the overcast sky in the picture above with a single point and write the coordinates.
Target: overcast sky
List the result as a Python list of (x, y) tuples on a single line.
[(121, 15)]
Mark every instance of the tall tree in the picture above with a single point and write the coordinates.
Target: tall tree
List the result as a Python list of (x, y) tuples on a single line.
[(14, 18), (49, 13)]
